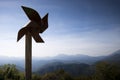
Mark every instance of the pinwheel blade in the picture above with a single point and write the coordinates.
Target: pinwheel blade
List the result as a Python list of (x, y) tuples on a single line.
[(44, 23), (37, 37), (32, 14), (21, 33)]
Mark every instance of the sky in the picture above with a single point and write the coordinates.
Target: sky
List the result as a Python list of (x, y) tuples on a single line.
[(89, 27)]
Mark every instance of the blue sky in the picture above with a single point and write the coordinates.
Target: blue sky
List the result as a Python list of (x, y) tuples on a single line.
[(90, 27)]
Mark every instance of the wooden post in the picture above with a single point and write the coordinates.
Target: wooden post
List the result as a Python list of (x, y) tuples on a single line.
[(32, 29), (28, 56)]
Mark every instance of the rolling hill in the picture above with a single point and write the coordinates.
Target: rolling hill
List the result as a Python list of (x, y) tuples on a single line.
[(74, 69)]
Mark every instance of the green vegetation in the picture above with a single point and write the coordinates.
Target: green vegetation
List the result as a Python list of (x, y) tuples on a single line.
[(9, 72), (103, 71), (106, 71)]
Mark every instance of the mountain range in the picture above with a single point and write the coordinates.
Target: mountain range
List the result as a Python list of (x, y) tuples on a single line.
[(73, 64), (79, 64)]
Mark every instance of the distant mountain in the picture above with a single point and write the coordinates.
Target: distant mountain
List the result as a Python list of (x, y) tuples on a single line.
[(77, 64), (113, 58), (77, 58), (66, 59)]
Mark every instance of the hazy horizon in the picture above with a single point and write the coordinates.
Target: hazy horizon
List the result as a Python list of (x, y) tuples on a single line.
[(89, 27), (54, 56)]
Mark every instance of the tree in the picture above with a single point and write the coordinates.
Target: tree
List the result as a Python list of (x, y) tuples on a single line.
[(57, 75), (9, 71), (1, 74), (106, 71), (36, 77)]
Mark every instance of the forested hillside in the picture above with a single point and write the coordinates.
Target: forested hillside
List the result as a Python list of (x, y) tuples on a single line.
[(103, 71)]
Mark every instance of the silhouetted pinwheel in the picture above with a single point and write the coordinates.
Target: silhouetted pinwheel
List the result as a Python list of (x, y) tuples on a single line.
[(32, 29)]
